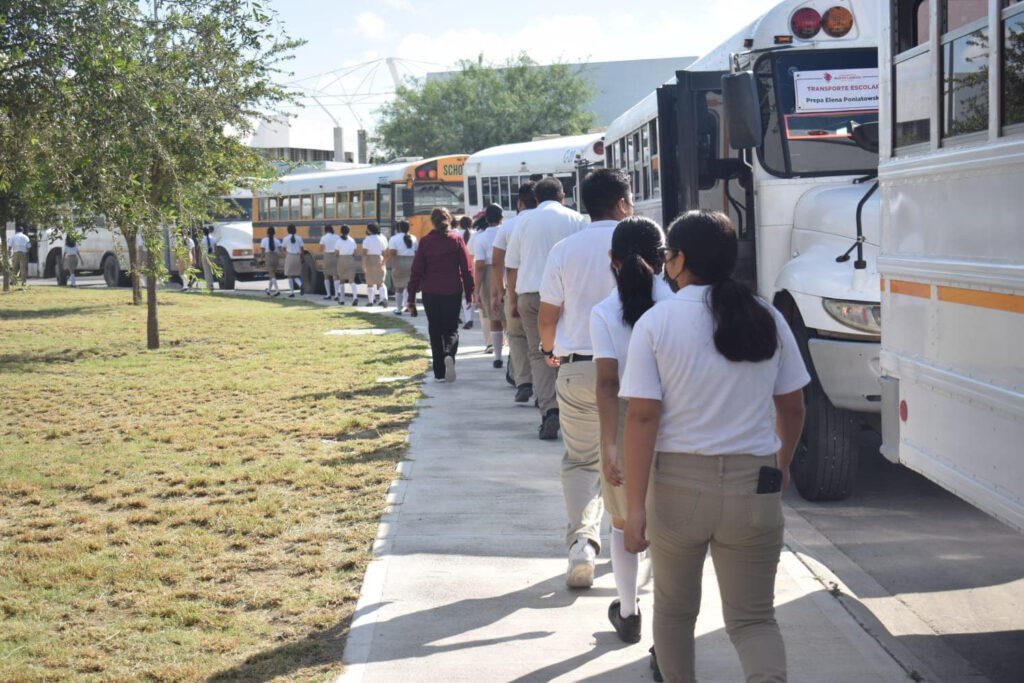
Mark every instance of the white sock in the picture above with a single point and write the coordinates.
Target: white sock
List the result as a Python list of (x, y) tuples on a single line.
[(355, 292), (496, 343), (291, 285), (625, 568)]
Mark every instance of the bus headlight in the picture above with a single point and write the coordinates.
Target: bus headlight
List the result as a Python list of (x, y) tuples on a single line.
[(859, 315), (241, 252)]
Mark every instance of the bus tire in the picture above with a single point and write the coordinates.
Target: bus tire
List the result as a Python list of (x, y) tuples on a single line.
[(227, 269), (112, 273), (55, 267), (312, 279), (824, 465)]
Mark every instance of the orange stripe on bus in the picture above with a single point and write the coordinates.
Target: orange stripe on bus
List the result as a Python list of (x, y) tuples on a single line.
[(1012, 303), (881, 283), (910, 288)]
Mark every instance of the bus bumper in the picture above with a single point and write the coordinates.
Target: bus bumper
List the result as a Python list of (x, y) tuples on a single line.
[(246, 265), (848, 372)]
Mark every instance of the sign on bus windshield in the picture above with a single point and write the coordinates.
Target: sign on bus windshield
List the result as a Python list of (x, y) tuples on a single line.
[(836, 90)]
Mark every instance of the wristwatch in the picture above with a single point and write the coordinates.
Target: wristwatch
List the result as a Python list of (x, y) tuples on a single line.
[(549, 354)]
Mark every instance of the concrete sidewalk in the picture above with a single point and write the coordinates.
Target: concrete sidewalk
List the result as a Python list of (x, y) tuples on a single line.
[(469, 579)]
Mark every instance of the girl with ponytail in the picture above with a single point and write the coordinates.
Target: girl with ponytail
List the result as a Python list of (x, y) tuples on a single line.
[(715, 386), (401, 250), (271, 261), (345, 247), (636, 247)]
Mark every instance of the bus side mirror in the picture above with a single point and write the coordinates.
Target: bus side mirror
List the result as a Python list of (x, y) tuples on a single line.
[(742, 110)]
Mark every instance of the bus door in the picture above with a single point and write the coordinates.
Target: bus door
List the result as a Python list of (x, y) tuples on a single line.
[(709, 177), (385, 208)]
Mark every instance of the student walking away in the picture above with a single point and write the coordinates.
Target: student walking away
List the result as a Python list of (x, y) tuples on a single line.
[(482, 245), (293, 245), (535, 235), (401, 251), (374, 247), (466, 230), (575, 279), (271, 248), (503, 296), (330, 262), (441, 270), (70, 261), (637, 244), (185, 257), (208, 254), (18, 247), (704, 371), (345, 248)]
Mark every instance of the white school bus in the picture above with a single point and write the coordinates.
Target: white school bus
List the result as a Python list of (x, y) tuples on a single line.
[(951, 172), (762, 128)]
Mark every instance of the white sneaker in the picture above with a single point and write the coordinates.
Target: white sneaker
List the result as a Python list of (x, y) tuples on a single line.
[(449, 369), (581, 565)]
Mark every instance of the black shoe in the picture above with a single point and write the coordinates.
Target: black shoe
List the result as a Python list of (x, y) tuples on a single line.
[(468, 325), (523, 393), (628, 628), (654, 667), (508, 373), (497, 364), (549, 426)]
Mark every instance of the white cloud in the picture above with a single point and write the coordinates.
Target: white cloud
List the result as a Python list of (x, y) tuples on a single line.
[(372, 26)]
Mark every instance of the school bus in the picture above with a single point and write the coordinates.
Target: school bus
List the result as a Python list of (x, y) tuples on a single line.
[(405, 189)]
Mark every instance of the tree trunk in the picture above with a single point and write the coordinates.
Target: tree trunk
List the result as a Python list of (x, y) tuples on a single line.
[(133, 269), (4, 261), (152, 328)]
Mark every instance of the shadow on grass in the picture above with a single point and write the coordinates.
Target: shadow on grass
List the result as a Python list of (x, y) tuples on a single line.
[(376, 391), (8, 314), (13, 362)]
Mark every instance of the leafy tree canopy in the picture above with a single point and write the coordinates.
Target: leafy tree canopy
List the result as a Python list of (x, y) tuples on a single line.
[(483, 105)]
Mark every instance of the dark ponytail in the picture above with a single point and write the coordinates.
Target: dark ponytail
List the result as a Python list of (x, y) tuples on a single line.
[(344, 232), (270, 236), (636, 247), (403, 227), (744, 327), (291, 231)]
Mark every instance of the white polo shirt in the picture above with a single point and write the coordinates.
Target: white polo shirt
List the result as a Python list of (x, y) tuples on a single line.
[(345, 246), (397, 245), (609, 333), (483, 244), (505, 230), (576, 276), (292, 246), (327, 241), (209, 243), (265, 244), (709, 404), (19, 242), (535, 235), (374, 245)]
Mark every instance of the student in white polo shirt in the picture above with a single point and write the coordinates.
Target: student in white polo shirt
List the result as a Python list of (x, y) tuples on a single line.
[(328, 242), (482, 243), (374, 248), (518, 372), (293, 245), (70, 260), (528, 249), (345, 248), (577, 276), (208, 254), (401, 252), (636, 249), (18, 246), (714, 380)]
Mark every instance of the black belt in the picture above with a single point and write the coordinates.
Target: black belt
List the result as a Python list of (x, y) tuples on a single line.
[(574, 358)]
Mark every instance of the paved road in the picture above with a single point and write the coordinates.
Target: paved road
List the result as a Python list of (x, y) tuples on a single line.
[(958, 572)]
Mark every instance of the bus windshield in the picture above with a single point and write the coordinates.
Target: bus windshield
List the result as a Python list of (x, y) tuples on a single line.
[(422, 198), (810, 103)]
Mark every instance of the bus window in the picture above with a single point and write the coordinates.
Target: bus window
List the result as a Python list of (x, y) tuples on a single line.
[(471, 181), (295, 206), (486, 191), (645, 145), (505, 194), (306, 205), (447, 195), (655, 175), (355, 209), (965, 83), (329, 211), (263, 203), (958, 13), (341, 205), (385, 206), (369, 204), (1013, 67), (318, 206)]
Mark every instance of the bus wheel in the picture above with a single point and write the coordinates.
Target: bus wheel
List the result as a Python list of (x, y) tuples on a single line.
[(55, 267), (312, 279), (112, 274), (227, 270), (824, 466)]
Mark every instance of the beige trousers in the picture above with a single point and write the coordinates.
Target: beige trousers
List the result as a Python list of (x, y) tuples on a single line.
[(520, 357), (581, 462), (207, 260), (696, 501), (19, 266), (543, 375)]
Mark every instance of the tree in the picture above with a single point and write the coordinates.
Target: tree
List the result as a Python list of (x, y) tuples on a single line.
[(483, 105)]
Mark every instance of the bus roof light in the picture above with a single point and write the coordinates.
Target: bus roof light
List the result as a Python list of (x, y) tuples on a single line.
[(837, 22), (783, 40), (806, 23), (432, 173)]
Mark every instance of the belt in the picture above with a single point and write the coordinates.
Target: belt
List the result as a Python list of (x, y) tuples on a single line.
[(574, 358)]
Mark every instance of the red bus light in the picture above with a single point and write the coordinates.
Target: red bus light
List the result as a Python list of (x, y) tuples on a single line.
[(420, 173), (805, 23)]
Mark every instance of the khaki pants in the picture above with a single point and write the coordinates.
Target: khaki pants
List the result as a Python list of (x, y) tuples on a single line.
[(19, 266), (696, 501), (581, 463), (520, 357), (207, 270), (543, 375)]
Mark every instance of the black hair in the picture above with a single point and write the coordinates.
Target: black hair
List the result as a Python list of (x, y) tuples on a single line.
[(345, 230), (373, 228), (403, 227), (465, 223), (549, 189), (18, 228), (493, 214), (270, 237), (602, 189), (291, 231), (207, 229), (744, 327), (70, 241), (329, 229), (636, 246), (526, 194)]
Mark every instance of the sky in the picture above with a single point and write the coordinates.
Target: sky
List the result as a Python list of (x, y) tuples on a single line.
[(342, 64)]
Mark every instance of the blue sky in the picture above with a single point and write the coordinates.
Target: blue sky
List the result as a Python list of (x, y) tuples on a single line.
[(345, 40)]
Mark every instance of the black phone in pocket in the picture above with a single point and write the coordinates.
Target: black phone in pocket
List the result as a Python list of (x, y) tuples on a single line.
[(769, 480)]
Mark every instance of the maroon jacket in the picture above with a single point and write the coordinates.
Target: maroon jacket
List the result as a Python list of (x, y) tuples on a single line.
[(441, 266)]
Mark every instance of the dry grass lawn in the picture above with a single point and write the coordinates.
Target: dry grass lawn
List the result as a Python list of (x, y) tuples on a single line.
[(204, 511)]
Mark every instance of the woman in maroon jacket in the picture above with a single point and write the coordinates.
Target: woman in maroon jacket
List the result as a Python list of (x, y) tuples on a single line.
[(442, 271)]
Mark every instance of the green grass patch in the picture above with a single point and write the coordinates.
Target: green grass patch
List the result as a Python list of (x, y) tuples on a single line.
[(204, 511)]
